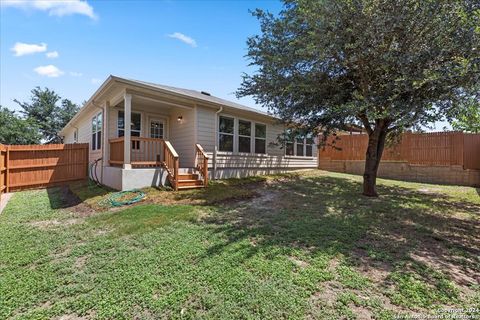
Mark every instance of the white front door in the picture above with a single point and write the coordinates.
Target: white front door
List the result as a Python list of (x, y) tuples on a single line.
[(157, 129)]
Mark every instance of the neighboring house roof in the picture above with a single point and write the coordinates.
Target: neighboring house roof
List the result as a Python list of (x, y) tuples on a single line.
[(186, 93)]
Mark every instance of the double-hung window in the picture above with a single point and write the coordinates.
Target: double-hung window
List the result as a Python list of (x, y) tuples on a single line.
[(225, 134), (260, 138), (309, 145), (135, 128), (97, 122), (300, 146), (244, 136)]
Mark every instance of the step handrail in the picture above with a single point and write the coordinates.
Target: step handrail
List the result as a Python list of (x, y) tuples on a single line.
[(171, 164), (203, 166)]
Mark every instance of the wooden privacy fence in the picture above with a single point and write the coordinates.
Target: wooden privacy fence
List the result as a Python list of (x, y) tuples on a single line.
[(429, 149), (3, 169), (28, 166)]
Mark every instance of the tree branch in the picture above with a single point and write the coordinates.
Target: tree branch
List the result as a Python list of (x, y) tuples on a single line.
[(365, 122)]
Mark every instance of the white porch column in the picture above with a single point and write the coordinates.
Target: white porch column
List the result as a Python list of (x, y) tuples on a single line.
[(128, 126)]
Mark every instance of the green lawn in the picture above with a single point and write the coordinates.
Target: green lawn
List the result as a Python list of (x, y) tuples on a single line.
[(305, 245)]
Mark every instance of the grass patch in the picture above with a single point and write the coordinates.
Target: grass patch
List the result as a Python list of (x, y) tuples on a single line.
[(276, 247), (146, 217)]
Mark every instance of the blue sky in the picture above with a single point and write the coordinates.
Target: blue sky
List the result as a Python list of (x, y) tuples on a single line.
[(192, 44), (72, 46)]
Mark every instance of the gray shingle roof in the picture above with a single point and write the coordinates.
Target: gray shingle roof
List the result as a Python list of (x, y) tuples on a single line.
[(198, 95)]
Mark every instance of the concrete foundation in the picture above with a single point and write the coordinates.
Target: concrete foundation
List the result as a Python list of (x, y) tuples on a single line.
[(126, 179), (400, 170)]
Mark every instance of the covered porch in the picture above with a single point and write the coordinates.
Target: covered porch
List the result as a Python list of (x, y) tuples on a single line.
[(160, 137)]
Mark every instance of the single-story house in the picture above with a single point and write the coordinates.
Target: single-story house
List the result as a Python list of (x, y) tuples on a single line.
[(181, 136)]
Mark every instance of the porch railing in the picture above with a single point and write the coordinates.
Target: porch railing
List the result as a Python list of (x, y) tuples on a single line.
[(116, 151), (201, 160), (144, 152)]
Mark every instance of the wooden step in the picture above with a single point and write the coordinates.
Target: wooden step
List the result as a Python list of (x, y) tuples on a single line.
[(190, 187), (190, 182), (187, 176)]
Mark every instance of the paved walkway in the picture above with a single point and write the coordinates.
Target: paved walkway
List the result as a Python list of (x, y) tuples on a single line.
[(4, 200)]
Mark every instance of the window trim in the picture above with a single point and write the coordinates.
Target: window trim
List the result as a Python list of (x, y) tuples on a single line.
[(260, 138), (153, 119), (244, 136), (236, 135), (294, 155), (94, 142), (235, 128)]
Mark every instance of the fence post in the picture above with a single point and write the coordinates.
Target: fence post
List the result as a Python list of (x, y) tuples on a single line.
[(7, 166), (87, 159)]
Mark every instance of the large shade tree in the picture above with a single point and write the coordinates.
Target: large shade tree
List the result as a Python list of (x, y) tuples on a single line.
[(17, 130), (49, 111), (386, 65), (466, 117)]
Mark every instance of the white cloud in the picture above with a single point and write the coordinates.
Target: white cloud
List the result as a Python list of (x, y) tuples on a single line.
[(96, 81), (49, 71), (58, 8), (22, 49), (75, 74), (185, 39), (52, 54)]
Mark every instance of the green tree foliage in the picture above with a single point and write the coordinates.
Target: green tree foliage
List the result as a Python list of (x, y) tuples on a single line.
[(15, 130), (467, 116), (384, 64), (49, 112)]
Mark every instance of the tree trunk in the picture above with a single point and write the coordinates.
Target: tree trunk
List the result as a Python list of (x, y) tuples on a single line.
[(376, 144)]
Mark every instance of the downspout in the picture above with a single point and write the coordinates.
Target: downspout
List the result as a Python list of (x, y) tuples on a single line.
[(103, 133), (214, 175)]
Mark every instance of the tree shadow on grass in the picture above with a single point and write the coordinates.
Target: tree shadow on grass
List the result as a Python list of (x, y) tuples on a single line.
[(62, 197), (327, 216)]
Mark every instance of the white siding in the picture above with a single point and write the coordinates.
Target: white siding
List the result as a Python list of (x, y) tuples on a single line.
[(206, 132), (112, 123), (273, 146), (262, 161), (85, 134), (274, 159), (206, 118), (69, 136), (182, 135)]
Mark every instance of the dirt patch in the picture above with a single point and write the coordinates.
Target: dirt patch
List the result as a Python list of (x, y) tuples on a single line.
[(326, 297), (298, 262), (361, 312), (80, 262), (73, 204), (461, 274), (266, 199), (375, 270), (71, 317), (46, 224)]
